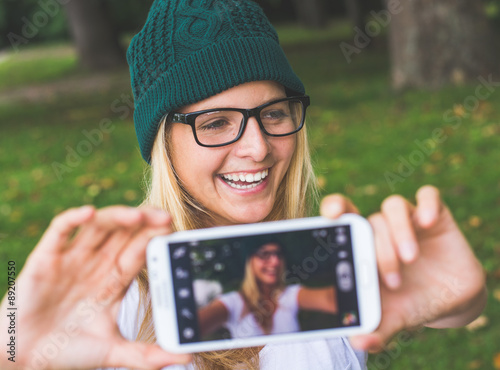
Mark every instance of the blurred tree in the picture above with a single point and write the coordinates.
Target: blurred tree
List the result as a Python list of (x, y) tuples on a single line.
[(435, 42), (356, 12), (95, 36), (310, 13)]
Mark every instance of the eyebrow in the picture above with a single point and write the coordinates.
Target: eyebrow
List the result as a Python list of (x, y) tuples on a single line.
[(233, 107)]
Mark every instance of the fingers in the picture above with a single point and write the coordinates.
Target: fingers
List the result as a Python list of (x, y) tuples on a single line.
[(429, 206), (62, 227), (143, 356), (132, 258), (107, 220), (397, 212), (387, 258), (111, 220), (333, 206), (375, 342), (124, 253)]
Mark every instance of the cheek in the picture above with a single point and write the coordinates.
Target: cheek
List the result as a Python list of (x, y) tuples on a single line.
[(284, 148), (194, 164)]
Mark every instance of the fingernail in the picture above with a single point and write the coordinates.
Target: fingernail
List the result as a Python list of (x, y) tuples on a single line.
[(426, 217), (86, 208), (408, 251), (393, 280), (334, 209)]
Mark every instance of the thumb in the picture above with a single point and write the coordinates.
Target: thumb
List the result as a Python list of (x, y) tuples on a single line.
[(139, 355), (376, 341)]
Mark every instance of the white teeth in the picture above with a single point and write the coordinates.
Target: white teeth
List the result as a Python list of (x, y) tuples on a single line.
[(249, 186), (252, 179)]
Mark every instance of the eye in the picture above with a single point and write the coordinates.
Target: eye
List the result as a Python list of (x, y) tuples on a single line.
[(275, 114), (213, 125)]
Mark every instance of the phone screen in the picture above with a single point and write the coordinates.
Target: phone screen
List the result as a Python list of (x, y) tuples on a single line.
[(257, 285)]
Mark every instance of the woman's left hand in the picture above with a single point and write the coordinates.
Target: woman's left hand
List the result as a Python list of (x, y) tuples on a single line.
[(429, 274)]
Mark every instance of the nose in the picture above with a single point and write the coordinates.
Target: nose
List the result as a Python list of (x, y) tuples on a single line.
[(274, 260), (253, 143)]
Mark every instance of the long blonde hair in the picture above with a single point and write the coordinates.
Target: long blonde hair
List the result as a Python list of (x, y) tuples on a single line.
[(259, 306), (297, 195)]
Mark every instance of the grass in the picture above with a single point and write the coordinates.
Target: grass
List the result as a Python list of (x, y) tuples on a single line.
[(360, 130), (36, 65)]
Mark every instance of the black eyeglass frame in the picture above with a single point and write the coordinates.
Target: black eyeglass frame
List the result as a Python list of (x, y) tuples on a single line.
[(190, 118)]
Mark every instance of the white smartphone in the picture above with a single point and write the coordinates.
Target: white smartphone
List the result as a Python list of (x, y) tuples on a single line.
[(249, 285)]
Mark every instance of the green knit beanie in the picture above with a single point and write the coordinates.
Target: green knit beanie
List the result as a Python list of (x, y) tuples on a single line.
[(190, 50)]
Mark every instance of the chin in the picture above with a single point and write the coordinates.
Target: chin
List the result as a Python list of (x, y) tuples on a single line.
[(250, 216)]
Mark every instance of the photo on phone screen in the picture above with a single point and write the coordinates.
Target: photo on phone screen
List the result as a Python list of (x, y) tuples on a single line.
[(256, 285)]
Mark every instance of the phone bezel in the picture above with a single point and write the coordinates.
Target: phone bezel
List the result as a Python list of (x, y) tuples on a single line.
[(163, 298)]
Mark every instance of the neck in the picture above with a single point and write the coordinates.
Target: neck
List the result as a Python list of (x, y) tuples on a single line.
[(267, 290)]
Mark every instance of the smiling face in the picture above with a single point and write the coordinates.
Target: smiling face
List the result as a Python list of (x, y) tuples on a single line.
[(237, 183), (268, 264)]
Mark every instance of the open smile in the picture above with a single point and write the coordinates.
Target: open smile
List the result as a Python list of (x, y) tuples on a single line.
[(244, 180)]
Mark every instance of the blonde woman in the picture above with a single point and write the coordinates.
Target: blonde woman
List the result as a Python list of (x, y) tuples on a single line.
[(212, 87), (264, 304)]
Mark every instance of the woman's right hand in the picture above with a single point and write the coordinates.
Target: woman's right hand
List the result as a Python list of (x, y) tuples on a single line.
[(69, 292)]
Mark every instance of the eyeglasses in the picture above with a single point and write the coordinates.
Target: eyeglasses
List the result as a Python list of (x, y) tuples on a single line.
[(223, 126), (266, 255)]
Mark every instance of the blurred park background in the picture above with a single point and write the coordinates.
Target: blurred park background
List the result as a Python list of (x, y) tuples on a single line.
[(404, 93)]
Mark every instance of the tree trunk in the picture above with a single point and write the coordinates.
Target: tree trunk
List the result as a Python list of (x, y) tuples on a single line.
[(95, 37), (355, 12), (437, 42), (310, 13)]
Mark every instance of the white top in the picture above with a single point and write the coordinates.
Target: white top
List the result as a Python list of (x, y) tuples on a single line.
[(322, 354), (284, 319)]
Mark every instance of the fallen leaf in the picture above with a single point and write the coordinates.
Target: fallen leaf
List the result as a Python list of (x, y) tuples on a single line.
[(37, 174), (496, 361), (93, 190), (475, 221), (33, 229), (321, 181), (130, 195), (107, 183), (84, 180), (476, 364), (478, 323), (370, 189), (459, 110), (121, 167), (496, 294), (489, 130)]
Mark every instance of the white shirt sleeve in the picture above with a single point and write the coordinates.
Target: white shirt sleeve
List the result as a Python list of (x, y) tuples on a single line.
[(234, 305)]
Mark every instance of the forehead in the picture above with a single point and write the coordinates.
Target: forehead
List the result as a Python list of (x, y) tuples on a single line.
[(247, 96), (269, 246)]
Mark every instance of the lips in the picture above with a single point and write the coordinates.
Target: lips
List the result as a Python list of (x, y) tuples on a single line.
[(244, 180)]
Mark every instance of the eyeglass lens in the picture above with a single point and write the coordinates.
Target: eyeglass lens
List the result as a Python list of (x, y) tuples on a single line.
[(266, 255), (220, 127)]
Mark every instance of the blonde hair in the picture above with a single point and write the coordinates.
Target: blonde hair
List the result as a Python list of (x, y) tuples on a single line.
[(296, 196), (259, 306)]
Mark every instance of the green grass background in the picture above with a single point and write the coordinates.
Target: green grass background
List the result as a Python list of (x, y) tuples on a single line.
[(360, 130)]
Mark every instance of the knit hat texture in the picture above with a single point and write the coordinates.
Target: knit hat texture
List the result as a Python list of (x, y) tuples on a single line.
[(190, 50)]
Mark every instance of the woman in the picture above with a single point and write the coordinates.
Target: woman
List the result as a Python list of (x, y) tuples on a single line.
[(264, 304), (209, 56)]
